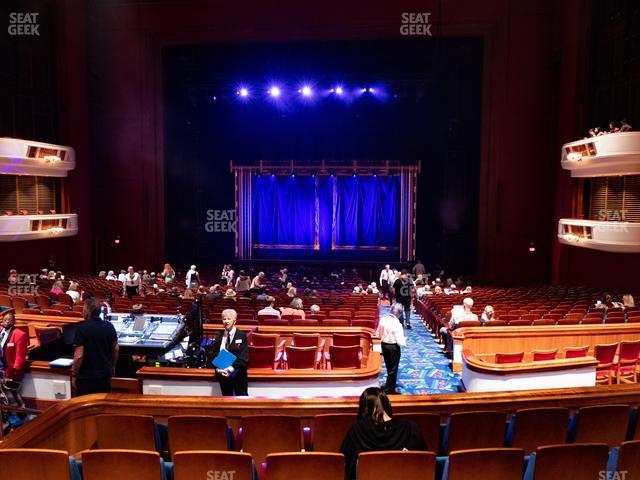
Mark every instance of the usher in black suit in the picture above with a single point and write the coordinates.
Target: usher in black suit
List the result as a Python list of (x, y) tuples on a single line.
[(236, 383)]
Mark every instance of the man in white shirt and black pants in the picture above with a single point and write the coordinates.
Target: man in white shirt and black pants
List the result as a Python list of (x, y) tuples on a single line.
[(392, 337)]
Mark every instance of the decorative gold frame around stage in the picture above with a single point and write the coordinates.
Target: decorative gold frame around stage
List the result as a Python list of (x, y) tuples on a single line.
[(244, 200)]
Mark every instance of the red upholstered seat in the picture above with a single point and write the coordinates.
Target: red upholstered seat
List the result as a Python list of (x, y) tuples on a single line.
[(605, 354), (509, 357), (344, 357), (626, 368)]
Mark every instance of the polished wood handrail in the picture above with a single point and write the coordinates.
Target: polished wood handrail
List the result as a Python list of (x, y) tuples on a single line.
[(70, 425), (484, 363)]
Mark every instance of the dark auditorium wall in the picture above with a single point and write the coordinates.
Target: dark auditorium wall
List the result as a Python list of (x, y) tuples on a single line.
[(43, 98), (604, 85), (521, 72)]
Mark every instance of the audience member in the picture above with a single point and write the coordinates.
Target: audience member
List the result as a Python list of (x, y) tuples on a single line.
[(243, 283), (262, 295), (258, 282), (402, 290), (102, 274), (624, 125), (419, 269), (291, 290), (269, 309), (377, 430), (627, 301), (295, 308), (487, 314), (386, 280), (168, 273), (122, 276), (132, 283), (314, 309), (57, 287), (74, 292), (14, 343), (192, 276), (214, 292), (111, 276)]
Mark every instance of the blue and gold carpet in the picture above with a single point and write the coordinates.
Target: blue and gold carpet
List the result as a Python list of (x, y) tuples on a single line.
[(424, 369)]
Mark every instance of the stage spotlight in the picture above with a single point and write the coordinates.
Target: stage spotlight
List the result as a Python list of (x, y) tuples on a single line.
[(363, 90), (371, 90), (243, 92), (306, 91), (274, 91)]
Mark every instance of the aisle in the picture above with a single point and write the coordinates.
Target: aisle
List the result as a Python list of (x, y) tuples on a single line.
[(423, 367)]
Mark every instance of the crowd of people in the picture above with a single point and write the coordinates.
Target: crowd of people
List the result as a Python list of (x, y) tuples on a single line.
[(624, 126)]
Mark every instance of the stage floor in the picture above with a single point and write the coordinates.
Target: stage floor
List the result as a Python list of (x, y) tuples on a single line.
[(424, 369)]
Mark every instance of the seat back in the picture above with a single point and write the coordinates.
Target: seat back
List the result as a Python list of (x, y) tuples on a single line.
[(542, 355), (261, 357), (486, 464), (495, 323), (605, 353), (301, 357), (345, 357), (31, 463), (509, 357), (570, 461), (131, 432), (469, 430), (429, 425), (468, 323), (335, 322), (329, 431), (629, 352), (306, 339), (307, 322), (576, 352), (276, 322), (197, 432), (120, 464), (602, 424), (265, 434), (629, 459), (539, 426), (305, 465), (199, 464), (345, 340), (263, 339), (391, 464)]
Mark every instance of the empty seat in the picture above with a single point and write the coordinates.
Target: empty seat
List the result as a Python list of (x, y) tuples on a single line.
[(600, 424), (605, 354), (575, 461), (197, 432), (132, 432), (544, 321), (486, 464), (261, 435), (626, 458), (531, 428), (344, 357), (335, 322), (263, 357), (302, 357), (626, 368), (468, 430), (305, 465), (576, 352), (520, 323), (429, 425), (542, 355), (509, 357), (263, 339), (121, 464), (34, 464), (196, 464), (329, 431), (402, 465)]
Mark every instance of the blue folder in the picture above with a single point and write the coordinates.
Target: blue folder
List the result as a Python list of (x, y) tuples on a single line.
[(224, 359)]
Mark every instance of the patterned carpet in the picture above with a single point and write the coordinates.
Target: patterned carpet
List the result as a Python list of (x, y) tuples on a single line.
[(423, 367)]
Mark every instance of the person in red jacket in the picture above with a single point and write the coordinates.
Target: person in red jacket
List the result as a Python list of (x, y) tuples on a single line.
[(13, 347)]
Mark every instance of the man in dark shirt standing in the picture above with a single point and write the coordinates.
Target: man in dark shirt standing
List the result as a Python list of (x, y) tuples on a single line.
[(402, 290), (96, 352)]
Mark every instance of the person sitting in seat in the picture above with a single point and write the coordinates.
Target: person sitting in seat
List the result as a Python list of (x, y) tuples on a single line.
[(377, 430), (291, 290), (627, 301), (269, 310), (487, 314), (263, 295), (243, 283), (57, 287), (315, 309), (74, 292), (459, 313), (111, 276), (214, 292), (295, 308), (13, 353)]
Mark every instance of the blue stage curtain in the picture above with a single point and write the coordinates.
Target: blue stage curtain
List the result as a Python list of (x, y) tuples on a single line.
[(366, 211), (284, 211)]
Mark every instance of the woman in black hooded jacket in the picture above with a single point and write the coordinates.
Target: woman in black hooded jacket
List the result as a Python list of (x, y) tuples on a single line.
[(377, 430)]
